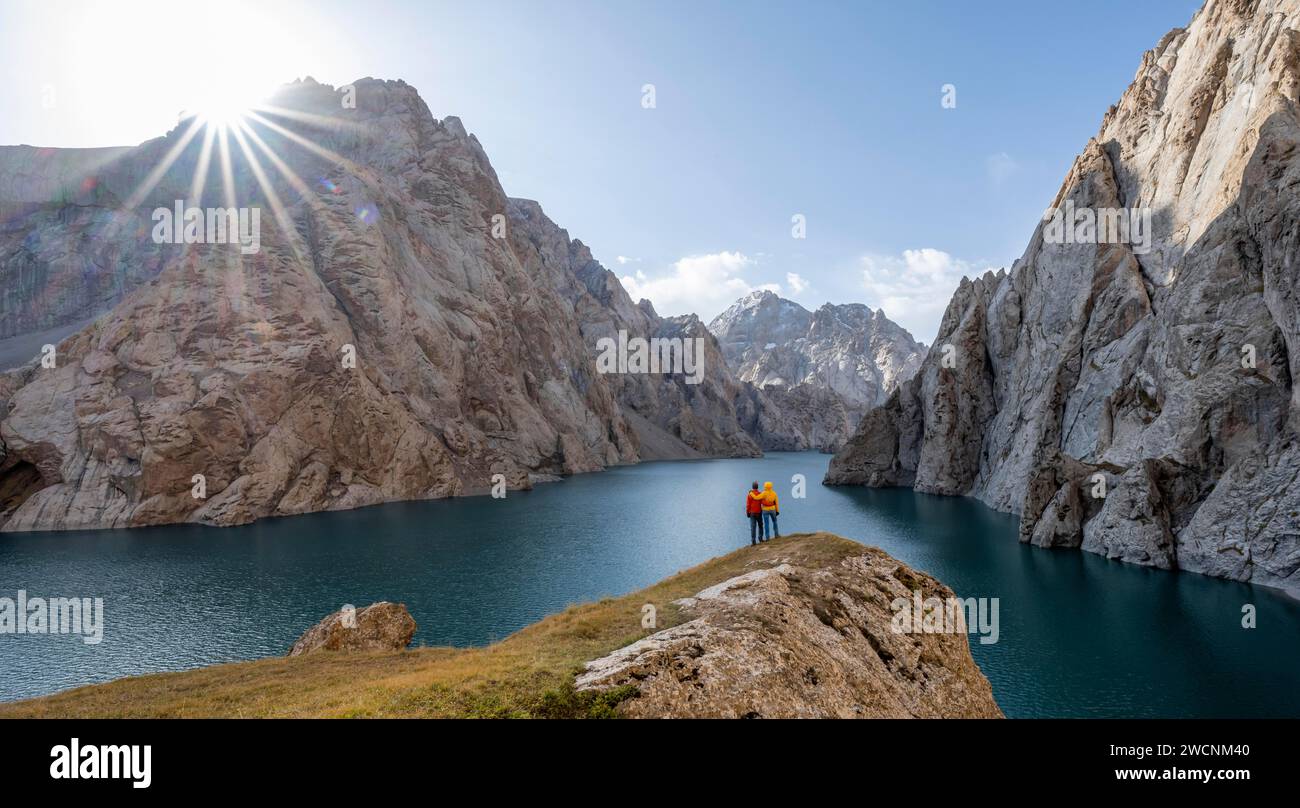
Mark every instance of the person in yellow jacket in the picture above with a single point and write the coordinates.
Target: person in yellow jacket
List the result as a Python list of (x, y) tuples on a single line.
[(771, 510), (754, 512)]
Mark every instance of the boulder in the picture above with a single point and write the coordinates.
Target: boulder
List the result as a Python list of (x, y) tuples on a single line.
[(380, 626)]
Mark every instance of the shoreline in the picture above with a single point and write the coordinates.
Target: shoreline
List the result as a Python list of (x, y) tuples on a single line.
[(533, 671)]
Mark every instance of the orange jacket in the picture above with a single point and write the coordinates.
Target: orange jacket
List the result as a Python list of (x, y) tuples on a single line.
[(754, 502), (769, 498)]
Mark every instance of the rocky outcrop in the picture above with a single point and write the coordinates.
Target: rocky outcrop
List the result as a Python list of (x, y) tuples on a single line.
[(817, 372), (1135, 397), (405, 330), (380, 626), (792, 641)]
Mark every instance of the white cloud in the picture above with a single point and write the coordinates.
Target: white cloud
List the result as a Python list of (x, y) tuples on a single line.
[(797, 284), (623, 259), (914, 288), (697, 284), (1000, 167)]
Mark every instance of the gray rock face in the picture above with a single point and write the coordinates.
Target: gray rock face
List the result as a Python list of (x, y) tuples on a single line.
[(1108, 361), (217, 391), (794, 642), (57, 267), (818, 372), (795, 420)]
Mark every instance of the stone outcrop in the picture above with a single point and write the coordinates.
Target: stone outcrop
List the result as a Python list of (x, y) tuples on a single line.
[(214, 387), (816, 373), (793, 641), (1137, 399), (380, 626)]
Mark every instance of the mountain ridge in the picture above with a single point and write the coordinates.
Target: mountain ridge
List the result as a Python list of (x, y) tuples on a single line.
[(1136, 399), (827, 366), (213, 387)]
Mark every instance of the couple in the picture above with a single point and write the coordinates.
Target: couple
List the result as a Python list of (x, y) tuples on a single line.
[(762, 509)]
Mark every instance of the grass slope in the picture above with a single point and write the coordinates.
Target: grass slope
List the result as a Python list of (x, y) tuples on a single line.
[(527, 675)]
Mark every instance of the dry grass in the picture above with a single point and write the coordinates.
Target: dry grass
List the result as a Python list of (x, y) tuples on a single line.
[(528, 674)]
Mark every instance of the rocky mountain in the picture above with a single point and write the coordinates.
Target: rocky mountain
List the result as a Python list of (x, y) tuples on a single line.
[(403, 329), (860, 354), (820, 371), (1133, 395)]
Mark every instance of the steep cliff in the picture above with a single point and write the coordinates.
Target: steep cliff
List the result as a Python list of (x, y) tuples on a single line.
[(1133, 395), (218, 385), (58, 267)]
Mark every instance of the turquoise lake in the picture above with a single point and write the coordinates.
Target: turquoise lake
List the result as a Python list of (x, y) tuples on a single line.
[(1079, 635)]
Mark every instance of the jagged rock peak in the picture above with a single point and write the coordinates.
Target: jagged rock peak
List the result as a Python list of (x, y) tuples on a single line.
[(1132, 393), (859, 354)]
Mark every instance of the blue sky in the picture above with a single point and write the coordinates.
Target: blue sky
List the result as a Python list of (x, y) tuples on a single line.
[(762, 111)]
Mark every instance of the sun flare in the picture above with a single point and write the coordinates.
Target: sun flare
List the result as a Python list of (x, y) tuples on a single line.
[(214, 77), (223, 105)]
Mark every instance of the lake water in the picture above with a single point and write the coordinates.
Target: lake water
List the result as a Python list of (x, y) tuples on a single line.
[(1079, 635)]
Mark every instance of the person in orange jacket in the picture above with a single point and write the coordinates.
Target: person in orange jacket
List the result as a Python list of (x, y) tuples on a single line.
[(771, 510), (754, 510)]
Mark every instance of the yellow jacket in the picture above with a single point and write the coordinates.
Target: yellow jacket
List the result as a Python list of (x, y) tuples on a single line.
[(769, 498)]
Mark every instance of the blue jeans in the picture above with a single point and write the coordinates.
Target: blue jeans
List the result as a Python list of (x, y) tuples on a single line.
[(756, 528), (769, 522)]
